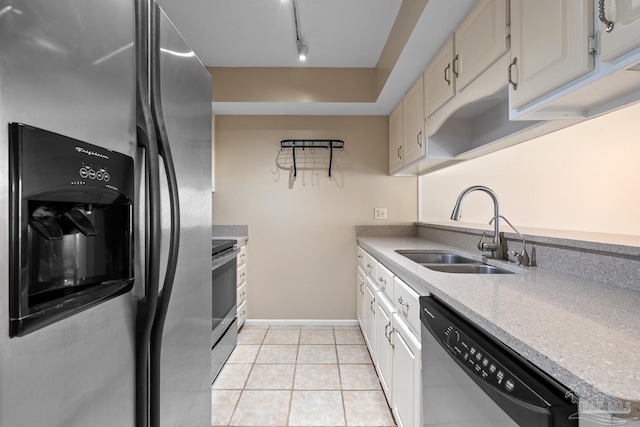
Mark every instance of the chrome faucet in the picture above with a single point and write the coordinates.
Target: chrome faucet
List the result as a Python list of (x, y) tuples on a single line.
[(496, 247)]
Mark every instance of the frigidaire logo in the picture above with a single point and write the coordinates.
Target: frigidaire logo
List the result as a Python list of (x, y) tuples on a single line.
[(91, 153)]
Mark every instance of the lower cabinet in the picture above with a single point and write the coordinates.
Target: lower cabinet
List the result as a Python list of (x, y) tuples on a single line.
[(394, 347), (384, 347), (370, 293), (407, 385), (241, 301)]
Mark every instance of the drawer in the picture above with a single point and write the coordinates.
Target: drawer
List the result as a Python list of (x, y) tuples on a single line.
[(242, 314), (407, 305), (370, 265), (242, 294), (361, 257), (242, 256), (384, 277), (242, 275)]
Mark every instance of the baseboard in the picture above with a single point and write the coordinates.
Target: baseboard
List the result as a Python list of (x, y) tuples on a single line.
[(301, 322)]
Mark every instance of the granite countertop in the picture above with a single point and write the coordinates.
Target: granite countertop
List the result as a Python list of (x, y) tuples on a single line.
[(584, 333)]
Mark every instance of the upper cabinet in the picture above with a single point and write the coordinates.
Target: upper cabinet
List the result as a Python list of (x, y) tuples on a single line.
[(549, 46), (396, 139), (439, 84), (412, 105), (516, 70), (619, 27), (476, 44), (406, 129), (480, 40)]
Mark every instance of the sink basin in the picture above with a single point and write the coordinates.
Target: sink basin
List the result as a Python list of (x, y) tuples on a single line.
[(436, 257), (447, 262), (477, 268)]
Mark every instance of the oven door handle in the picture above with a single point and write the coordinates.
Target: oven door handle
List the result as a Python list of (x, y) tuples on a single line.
[(224, 259)]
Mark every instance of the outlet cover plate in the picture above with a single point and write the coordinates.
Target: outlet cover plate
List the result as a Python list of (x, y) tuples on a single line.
[(379, 213)]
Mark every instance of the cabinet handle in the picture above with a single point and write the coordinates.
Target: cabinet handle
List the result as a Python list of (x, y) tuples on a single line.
[(371, 306), (603, 18), (401, 301), (389, 337), (399, 148), (455, 65), (511, 82), (446, 78), (419, 139), (361, 290)]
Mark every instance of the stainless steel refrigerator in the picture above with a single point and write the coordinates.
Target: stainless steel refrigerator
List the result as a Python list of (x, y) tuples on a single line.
[(85, 70)]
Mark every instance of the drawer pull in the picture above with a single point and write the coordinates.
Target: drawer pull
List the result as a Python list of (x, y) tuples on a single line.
[(401, 301)]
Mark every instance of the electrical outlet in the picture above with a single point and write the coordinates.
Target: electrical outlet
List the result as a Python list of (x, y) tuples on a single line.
[(379, 213)]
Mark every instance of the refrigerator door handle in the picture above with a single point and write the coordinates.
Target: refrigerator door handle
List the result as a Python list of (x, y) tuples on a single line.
[(174, 203), (146, 136)]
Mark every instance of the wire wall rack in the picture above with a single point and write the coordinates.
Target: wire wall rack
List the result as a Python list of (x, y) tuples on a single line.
[(303, 152)]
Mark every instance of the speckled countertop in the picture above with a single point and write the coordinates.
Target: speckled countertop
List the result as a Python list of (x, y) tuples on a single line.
[(584, 333)]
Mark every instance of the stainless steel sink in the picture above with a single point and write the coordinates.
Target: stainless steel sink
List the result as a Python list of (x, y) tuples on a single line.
[(447, 262), (436, 257), (477, 268)]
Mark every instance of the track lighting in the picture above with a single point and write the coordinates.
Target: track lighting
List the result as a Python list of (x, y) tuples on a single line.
[(303, 52), (303, 49)]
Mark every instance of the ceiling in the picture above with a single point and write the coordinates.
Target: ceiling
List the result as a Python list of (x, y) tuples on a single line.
[(339, 33)]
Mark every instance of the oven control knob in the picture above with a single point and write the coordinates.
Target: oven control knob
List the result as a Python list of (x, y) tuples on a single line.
[(106, 176), (84, 173), (492, 369)]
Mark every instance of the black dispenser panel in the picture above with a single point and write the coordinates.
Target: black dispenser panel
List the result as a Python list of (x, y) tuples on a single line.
[(71, 226)]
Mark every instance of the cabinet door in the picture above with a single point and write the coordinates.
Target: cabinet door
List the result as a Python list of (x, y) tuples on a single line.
[(370, 315), (396, 138), (360, 277), (413, 108), (439, 85), (384, 351), (624, 33), (406, 376), (549, 46), (480, 40)]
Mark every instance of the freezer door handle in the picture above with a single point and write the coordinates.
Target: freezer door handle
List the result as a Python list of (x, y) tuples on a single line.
[(164, 151)]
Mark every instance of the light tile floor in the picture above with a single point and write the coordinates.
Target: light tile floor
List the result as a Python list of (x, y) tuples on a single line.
[(299, 376)]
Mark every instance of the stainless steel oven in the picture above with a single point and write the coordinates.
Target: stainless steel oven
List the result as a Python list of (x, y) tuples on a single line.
[(469, 378), (224, 334)]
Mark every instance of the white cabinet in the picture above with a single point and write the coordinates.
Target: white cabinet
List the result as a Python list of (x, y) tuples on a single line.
[(406, 300), (383, 358), (370, 293), (384, 278), (549, 46), (360, 304), (406, 129), (396, 139), (439, 84), (413, 110), (619, 27), (476, 44), (241, 275), (406, 376), (479, 40), (393, 342)]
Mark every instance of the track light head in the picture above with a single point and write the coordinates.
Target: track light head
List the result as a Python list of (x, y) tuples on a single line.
[(303, 52)]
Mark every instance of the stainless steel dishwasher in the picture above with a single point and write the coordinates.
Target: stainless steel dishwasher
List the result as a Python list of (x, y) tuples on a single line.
[(471, 379)]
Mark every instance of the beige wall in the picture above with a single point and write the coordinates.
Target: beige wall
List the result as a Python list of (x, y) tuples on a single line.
[(584, 178), (302, 239)]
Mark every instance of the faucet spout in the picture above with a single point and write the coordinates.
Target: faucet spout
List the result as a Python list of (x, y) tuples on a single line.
[(495, 247)]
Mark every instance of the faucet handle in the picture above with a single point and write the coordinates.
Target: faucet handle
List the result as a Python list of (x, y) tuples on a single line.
[(486, 246)]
